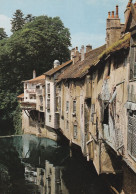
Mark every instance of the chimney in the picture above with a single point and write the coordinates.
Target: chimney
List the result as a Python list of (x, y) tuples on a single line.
[(75, 55), (34, 74), (109, 15), (56, 63), (129, 3), (117, 11), (72, 53), (113, 28), (88, 48), (82, 53), (112, 14)]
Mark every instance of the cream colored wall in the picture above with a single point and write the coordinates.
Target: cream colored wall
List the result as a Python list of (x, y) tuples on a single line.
[(70, 92), (52, 102), (44, 132), (40, 91), (31, 89), (116, 76)]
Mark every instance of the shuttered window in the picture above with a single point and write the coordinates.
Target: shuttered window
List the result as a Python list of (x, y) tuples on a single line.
[(48, 88), (67, 105), (74, 106), (132, 134), (75, 131)]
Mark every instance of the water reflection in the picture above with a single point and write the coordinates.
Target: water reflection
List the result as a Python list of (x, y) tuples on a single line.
[(31, 165)]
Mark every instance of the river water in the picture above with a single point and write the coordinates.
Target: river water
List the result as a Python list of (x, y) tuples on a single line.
[(32, 165)]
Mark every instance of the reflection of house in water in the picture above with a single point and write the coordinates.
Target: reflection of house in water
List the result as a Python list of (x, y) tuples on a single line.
[(50, 180)]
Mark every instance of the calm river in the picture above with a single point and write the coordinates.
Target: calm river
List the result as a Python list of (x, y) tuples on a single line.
[(32, 165)]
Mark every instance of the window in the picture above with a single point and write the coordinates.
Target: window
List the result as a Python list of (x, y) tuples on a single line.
[(59, 103), (74, 106), (67, 125), (131, 140), (48, 88), (75, 131), (41, 99), (67, 105), (82, 110), (48, 104), (49, 118), (106, 114), (25, 85)]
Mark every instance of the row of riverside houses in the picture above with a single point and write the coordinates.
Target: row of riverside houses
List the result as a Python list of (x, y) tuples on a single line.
[(91, 99)]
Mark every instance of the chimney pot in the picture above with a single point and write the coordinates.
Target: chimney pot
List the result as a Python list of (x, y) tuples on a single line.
[(109, 15), (88, 48), (117, 11), (82, 53), (112, 14)]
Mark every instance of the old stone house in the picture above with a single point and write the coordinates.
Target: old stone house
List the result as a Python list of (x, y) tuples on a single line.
[(33, 107), (98, 99), (91, 99), (51, 112)]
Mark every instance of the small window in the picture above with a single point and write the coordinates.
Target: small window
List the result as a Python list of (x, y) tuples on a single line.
[(74, 106), (59, 103), (82, 110), (48, 95), (131, 139), (49, 118), (67, 105), (106, 114), (67, 125), (48, 104), (25, 85), (48, 88), (75, 131)]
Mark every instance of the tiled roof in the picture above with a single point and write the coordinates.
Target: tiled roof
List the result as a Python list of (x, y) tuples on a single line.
[(79, 69), (21, 96), (122, 43), (39, 79), (54, 70)]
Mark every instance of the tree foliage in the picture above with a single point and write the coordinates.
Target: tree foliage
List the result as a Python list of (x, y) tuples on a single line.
[(2, 34), (35, 46), (17, 21)]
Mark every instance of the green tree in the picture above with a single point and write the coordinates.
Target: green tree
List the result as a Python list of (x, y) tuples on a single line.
[(35, 46), (2, 34), (29, 18), (17, 21)]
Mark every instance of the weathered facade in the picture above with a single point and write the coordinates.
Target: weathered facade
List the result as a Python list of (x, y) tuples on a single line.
[(51, 112), (91, 99), (33, 108)]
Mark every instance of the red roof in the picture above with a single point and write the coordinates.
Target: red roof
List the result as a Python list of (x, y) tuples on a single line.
[(54, 70), (81, 68), (39, 79), (21, 96)]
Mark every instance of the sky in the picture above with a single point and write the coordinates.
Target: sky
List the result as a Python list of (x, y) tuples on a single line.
[(85, 19)]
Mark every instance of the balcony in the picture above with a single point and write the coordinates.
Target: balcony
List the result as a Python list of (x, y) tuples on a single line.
[(28, 106), (32, 91)]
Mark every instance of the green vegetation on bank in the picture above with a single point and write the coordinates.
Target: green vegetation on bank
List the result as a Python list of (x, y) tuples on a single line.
[(34, 44)]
